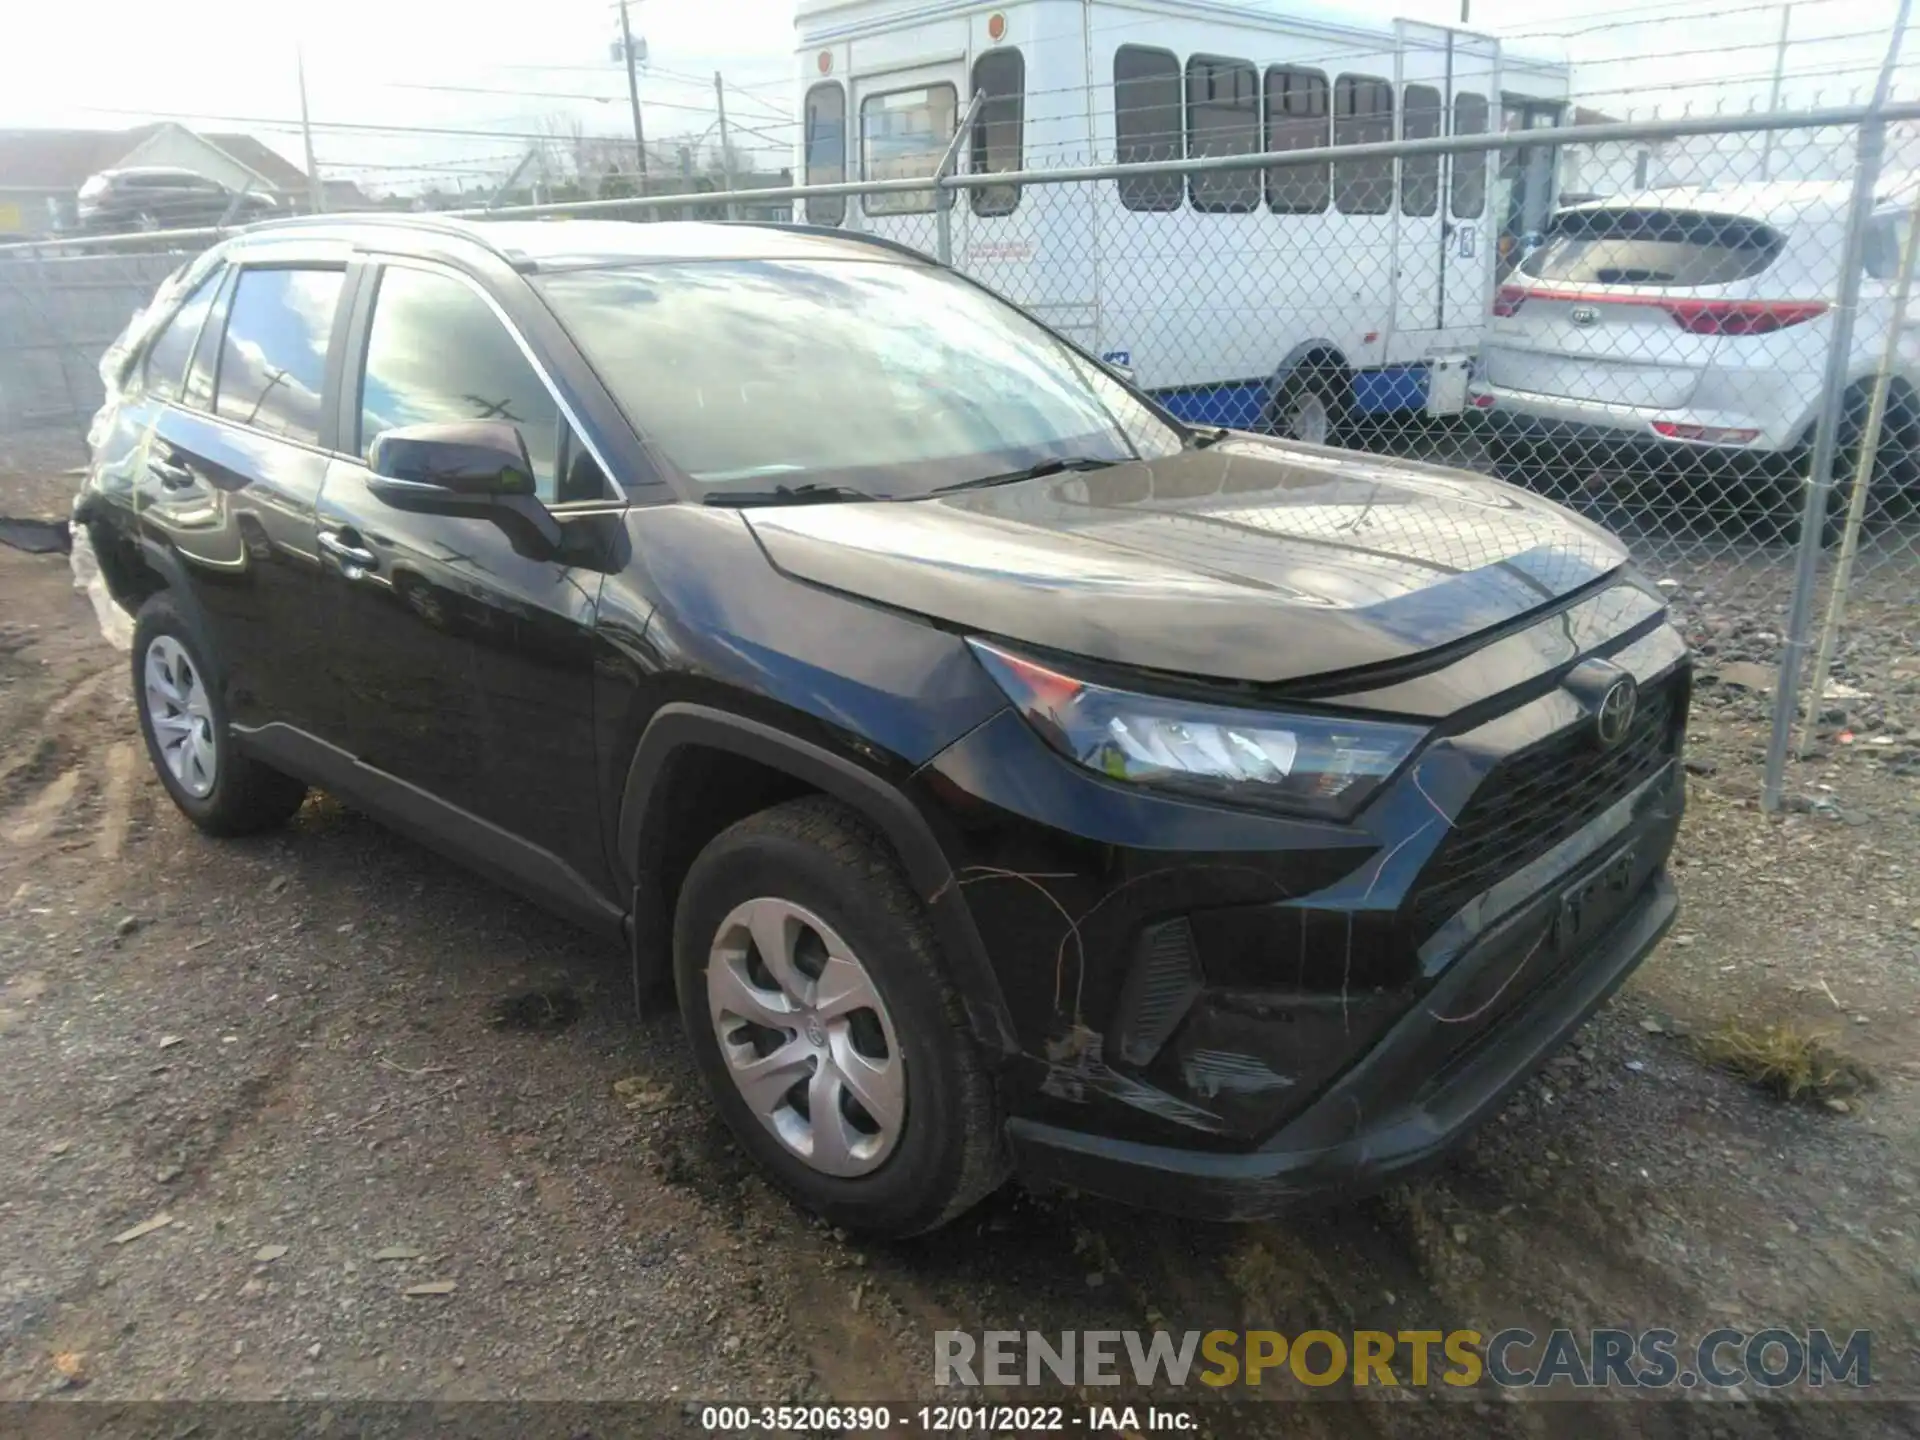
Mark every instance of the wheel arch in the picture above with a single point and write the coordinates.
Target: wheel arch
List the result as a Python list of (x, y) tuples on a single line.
[(1322, 355), (671, 806)]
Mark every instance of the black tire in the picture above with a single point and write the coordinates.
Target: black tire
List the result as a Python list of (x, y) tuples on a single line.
[(246, 796), (1894, 484), (1518, 462), (1332, 391), (818, 854)]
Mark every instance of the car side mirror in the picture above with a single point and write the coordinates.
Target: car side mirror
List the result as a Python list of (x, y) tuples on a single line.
[(468, 458), (464, 467)]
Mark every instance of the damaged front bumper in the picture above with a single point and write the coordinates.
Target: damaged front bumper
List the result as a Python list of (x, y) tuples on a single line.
[(1218, 1013), (1415, 1094)]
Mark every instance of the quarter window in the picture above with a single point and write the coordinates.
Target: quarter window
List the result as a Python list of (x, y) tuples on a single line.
[(1146, 124), (827, 151), (437, 352), (1223, 118), (168, 355), (273, 361), (1362, 115), (903, 135), (1000, 78), (1469, 167), (1296, 120), (1420, 174)]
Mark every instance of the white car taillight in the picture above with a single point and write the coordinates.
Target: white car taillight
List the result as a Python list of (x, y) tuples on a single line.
[(1698, 317)]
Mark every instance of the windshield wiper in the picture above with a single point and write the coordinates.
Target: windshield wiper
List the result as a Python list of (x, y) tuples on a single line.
[(1032, 472), (807, 494)]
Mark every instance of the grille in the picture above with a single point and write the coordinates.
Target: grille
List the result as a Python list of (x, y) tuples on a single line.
[(1535, 799)]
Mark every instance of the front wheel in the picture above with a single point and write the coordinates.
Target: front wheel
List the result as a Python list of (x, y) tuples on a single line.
[(183, 718), (825, 1026)]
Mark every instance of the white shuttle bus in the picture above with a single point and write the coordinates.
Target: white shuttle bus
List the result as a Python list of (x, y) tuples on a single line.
[(1289, 298)]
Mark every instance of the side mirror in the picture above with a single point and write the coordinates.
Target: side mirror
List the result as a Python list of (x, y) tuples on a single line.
[(464, 467), (470, 459)]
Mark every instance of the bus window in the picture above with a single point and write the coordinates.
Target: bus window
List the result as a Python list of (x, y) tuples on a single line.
[(826, 150), (1420, 174), (1362, 115), (903, 134), (1223, 118), (1146, 124), (1469, 167), (1296, 120), (1001, 77)]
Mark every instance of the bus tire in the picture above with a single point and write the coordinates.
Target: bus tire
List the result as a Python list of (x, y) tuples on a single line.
[(1313, 405)]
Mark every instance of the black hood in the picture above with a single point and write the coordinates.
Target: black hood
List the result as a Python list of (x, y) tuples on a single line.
[(1252, 560)]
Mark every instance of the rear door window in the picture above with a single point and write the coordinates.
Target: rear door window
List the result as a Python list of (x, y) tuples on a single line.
[(1683, 248), (826, 150), (903, 134), (1000, 79), (273, 361), (1469, 166), (1420, 174)]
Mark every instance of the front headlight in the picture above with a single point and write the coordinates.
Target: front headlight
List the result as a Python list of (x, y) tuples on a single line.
[(1312, 764)]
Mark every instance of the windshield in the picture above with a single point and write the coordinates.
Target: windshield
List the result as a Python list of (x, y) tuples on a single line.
[(886, 378)]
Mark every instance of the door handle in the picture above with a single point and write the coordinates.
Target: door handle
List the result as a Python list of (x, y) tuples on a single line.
[(171, 474), (355, 560)]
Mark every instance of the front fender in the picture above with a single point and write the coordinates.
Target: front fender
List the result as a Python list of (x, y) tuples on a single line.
[(678, 725)]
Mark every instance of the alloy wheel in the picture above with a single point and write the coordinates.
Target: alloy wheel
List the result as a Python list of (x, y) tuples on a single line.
[(180, 710), (1310, 419), (806, 1036)]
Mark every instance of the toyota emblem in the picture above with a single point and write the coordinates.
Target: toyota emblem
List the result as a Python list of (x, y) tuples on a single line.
[(1584, 315), (1615, 715)]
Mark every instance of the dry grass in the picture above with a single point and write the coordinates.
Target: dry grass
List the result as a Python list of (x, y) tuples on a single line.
[(1786, 1061)]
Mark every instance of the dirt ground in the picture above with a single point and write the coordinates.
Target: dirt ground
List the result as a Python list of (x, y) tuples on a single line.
[(290, 1048)]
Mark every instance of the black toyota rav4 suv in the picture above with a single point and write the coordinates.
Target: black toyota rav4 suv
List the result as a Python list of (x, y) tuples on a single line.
[(1003, 775)]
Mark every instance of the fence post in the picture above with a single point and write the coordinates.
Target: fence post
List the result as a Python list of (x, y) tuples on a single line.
[(1826, 439), (943, 195)]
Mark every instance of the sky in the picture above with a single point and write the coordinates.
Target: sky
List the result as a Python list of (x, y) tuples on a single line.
[(383, 75)]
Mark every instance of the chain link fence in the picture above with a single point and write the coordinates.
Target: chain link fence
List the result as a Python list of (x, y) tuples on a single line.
[(1707, 345)]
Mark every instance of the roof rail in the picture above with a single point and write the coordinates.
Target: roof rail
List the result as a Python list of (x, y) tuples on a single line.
[(834, 232), (417, 220)]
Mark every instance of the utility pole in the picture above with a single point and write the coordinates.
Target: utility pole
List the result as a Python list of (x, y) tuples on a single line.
[(1773, 103), (1466, 9), (726, 144), (633, 94), (316, 194)]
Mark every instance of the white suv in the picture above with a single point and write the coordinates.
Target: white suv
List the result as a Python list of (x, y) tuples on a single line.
[(1675, 327)]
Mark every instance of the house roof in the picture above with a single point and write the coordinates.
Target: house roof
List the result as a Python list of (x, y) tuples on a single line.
[(261, 158), (62, 159)]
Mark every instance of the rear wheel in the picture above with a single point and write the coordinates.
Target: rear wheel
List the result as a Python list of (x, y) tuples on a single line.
[(1513, 460), (813, 995), (183, 719), (1893, 486), (1313, 405)]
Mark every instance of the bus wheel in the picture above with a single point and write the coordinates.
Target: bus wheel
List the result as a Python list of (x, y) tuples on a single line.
[(1311, 406)]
